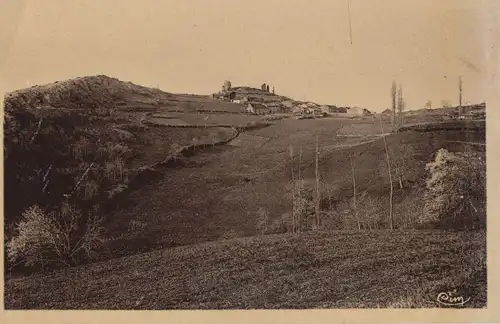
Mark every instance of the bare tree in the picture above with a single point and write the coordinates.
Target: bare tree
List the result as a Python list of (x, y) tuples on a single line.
[(226, 86), (393, 97), (318, 196), (354, 193), (298, 220), (368, 210), (402, 160), (391, 225), (460, 95), (294, 223), (428, 104), (401, 105)]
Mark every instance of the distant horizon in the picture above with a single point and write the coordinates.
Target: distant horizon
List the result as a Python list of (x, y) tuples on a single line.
[(302, 48), (232, 86)]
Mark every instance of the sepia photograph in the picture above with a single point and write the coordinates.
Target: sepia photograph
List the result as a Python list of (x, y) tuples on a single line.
[(244, 155)]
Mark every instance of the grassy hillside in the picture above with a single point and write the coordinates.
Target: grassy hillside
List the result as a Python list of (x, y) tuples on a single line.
[(225, 192), (318, 270), (86, 93)]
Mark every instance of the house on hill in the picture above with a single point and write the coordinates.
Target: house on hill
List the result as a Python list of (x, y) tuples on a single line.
[(357, 111), (339, 110), (257, 108), (243, 100), (331, 109)]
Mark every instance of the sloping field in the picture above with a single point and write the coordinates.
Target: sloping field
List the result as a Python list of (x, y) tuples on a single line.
[(192, 104), (218, 193), (154, 144), (318, 270), (175, 118)]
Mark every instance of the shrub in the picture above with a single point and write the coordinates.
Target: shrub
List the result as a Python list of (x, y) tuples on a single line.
[(455, 195), (81, 149), (176, 151), (304, 205), (117, 190), (114, 170), (34, 238), (64, 236), (369, 212), (89, 189), (262, 220), (282, 224)]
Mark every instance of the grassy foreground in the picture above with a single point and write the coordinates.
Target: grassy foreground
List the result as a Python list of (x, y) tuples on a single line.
[(315, 270)]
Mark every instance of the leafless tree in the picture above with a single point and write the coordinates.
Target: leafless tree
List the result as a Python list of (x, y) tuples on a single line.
[(318, 195), (401, 105), (428, 104), (226, 86), (393, 97), (460, 95), (402, 161), (391, 225), (354, 193), (298, 220), (294, 222)]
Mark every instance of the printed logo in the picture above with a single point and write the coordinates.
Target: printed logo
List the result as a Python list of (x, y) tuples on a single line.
[(451, 298)]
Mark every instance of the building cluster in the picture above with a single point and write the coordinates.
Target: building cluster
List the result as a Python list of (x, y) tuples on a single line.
[(261, 102)]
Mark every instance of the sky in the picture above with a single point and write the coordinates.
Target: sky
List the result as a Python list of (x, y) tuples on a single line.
[(301, 47)]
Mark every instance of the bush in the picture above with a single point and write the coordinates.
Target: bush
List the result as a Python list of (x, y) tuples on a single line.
[(265, 225), (176, 151), (282, 224), (304, 205), (455, 196), (64, 237), (370, 212), (262, 220)]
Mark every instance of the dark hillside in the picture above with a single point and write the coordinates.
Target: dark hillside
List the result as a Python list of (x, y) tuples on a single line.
[(67, 142)]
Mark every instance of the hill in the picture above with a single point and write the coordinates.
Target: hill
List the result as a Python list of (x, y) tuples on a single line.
[(55, 132), (254, 95), (84, 92)]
